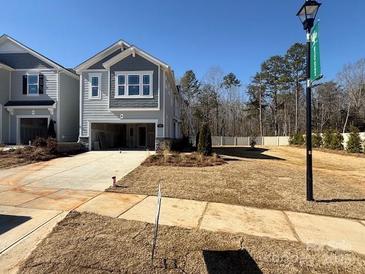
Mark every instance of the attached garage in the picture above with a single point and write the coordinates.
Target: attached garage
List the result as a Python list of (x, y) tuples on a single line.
[(31, 128), (106, 136)]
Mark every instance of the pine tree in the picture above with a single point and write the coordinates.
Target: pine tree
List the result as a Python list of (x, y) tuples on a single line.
[(336, 141), (354, 141), (317, 140)]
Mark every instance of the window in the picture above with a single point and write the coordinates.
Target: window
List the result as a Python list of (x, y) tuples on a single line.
[(121, 85), (33, 84), (94, 79), (133, 84)]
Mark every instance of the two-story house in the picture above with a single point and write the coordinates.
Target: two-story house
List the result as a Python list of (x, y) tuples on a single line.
[(35, 92), (128, 99)]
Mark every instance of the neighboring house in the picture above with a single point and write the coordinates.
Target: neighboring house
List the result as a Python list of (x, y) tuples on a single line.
[(34, 92), (128, 99)]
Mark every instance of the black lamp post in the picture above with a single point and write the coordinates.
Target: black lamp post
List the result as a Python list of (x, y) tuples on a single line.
[(307, 15)]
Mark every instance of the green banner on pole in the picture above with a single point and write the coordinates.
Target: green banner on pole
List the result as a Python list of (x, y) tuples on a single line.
[(315, 54)]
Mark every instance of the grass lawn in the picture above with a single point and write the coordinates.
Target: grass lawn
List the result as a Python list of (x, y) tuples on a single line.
[(265, 178), (89, 243)]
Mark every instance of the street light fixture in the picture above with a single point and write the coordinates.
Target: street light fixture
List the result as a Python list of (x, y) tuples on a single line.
[(307, 15)]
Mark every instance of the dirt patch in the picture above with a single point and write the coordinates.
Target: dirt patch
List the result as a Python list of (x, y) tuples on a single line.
[(265, 178), (183, 160), (22, 156), (28, 155), (89, 243)]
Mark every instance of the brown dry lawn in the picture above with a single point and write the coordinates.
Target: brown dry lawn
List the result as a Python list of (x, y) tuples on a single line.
[(89, 243), (265, 178)]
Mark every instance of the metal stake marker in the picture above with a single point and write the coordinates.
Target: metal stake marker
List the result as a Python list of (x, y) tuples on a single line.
[(157, 219)]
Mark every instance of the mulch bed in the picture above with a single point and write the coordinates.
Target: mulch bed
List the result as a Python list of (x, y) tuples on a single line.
[(23, 156), (90, 243), (183, 160)]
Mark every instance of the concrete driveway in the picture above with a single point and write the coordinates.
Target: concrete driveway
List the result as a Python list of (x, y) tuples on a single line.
[(35, 197)]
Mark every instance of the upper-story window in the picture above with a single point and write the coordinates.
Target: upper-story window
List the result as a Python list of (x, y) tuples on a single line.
[(33, 84), (133, 84), (95, 85)]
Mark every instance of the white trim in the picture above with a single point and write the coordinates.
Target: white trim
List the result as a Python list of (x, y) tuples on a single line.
[(98, 75), (6, 67), (18, 117), (140, 74), (58, 110), (9, 108), (124, 121), (158, 86), (100, 55), (133, 50)]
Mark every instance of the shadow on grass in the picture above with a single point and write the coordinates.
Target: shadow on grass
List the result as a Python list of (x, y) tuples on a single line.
[(339, 200), (230, 261), (8, 222), (245, 152)]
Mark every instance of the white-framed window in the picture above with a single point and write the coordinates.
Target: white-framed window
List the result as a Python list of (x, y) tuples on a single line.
[(33, 84), (95, 85), (134, 84)]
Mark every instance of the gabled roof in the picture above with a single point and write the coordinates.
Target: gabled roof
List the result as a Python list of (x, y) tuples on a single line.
[(134, 50), (5, 37), (101, 54)]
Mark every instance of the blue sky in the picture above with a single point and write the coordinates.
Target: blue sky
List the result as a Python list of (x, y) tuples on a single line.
[(234, 35)]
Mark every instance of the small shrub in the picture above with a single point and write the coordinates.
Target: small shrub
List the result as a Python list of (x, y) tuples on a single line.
[(40, 142), (317, 140), (205, 140), (354, 141), (253, 141), (336, 141), (297, 139)]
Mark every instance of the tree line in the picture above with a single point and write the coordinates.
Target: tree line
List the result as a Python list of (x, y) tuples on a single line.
[(273, 103)]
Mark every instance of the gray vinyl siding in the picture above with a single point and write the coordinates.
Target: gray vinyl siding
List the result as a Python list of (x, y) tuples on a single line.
[(69, 108), (99, 65), (22, 61), (136, 63), (4, 96), (50, 85), (97, 109)]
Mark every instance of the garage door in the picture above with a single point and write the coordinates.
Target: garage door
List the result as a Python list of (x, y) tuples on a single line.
[(31, 128)]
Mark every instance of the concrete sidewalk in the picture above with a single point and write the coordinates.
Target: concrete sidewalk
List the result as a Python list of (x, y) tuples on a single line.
[(33, 198), (338, 233)]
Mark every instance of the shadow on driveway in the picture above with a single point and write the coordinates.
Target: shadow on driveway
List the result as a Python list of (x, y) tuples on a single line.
[(8, 222), (245, 152), (230, 261)]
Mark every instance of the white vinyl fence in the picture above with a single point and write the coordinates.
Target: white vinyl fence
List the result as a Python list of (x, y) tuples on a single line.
[(261, 141)]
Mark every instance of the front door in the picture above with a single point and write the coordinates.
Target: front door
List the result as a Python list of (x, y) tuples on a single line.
[(142, 133)]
